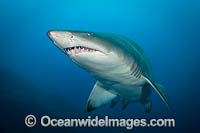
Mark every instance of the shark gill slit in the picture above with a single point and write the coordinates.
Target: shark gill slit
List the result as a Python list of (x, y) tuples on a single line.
[(135, 70)]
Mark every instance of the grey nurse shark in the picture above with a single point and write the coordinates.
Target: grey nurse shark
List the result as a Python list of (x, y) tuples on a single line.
[(120, 66)]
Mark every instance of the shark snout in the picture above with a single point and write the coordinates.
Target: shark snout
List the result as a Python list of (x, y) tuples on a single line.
[(49, 33), (77, 41), (60, 38), (54, 35)]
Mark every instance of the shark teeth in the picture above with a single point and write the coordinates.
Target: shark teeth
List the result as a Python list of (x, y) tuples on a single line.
[(77, 50)]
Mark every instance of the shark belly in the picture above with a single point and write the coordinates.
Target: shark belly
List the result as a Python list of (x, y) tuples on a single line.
[(122, 81), (132, 91)]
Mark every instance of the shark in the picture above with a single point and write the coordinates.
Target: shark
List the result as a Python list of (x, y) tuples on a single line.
[(120, 66)]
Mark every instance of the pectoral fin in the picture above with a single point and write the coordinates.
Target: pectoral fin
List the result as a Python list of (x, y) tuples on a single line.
[(160, 90), (99, 97)]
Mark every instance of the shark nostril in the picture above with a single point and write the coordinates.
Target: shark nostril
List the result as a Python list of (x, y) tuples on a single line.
[(71, 38)]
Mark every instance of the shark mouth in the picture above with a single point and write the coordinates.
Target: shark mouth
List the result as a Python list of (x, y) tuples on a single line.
[(79, 49)]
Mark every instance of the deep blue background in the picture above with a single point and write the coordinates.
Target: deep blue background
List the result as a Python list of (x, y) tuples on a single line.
[(36, 78)]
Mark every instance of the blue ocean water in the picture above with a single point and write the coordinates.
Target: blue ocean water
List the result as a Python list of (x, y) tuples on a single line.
[(36, 78)]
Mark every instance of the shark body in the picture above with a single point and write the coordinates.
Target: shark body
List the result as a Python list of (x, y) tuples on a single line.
[(120, 67)]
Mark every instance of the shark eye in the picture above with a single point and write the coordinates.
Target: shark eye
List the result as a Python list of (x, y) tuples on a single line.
[(90, 34)]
